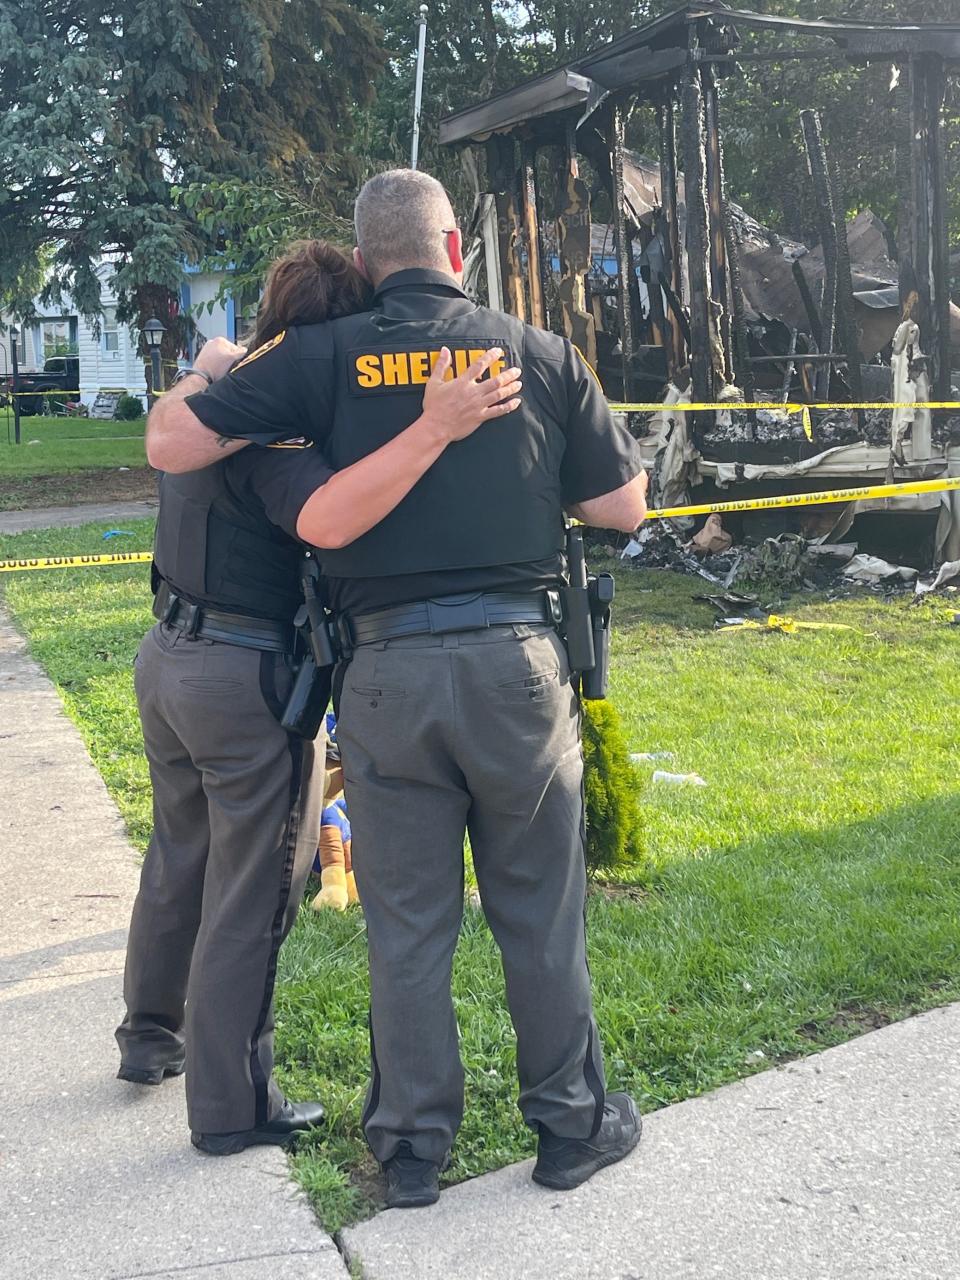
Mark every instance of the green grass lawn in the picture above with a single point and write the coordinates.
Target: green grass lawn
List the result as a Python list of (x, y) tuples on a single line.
[(810, 891), (68, 444)]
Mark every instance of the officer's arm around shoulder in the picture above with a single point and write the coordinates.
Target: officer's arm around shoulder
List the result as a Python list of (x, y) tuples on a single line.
[(176, 439), (259, 399), (603, 478)]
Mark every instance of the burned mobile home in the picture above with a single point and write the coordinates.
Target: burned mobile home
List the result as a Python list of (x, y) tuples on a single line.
[(676, 295)]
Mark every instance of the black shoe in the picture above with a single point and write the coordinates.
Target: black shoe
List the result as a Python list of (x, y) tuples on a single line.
[(411, 1182), (291, 1120), (563, 1163), (151, 1075)]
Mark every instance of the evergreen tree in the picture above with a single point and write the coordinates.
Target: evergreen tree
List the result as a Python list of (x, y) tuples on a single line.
[(163, 95)]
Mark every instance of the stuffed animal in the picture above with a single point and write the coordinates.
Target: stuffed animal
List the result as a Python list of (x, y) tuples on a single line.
[(333, 862)]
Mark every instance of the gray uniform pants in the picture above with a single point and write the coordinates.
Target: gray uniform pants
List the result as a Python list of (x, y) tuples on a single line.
[(237, 806), (475, 731)]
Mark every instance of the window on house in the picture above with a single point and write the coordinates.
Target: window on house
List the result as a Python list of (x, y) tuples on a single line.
[(58, 337), (110, 332)]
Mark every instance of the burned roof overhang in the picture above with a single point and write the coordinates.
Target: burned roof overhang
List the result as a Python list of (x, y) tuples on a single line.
[(546, 96), (644, 57)]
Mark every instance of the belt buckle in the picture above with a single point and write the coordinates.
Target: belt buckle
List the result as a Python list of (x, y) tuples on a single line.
[(457, 613)]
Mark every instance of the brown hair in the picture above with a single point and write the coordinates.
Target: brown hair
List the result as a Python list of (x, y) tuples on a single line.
[(311, 283)]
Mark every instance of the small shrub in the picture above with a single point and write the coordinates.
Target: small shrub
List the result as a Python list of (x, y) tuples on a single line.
[(128, 408), (612, 790)]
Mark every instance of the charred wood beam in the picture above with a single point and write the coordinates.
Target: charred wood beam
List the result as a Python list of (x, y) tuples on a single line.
[(636, 303), (698, 250), (676, 343), (502, 171), (741, 342), (826, 218), (846, 316), (531, 234), (660, 325), (716, 200), (929, 220), (806, 297), (546, 274), (622, 249), (677, 313), (573, 236)]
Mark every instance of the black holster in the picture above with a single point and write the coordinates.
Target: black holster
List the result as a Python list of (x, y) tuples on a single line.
[(310, 695), (593, 683), (587, 601), (309, 699)]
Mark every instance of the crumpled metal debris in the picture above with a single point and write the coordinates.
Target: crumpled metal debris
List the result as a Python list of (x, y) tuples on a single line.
[(873, 570), (660, 546), (949, 573), (731, 601)]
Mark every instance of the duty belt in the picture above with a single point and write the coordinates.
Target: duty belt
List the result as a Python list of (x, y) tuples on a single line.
[(197, 622), (450, 613)]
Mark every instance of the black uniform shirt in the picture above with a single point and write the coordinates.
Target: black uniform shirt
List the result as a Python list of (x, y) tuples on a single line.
[(278, 482), (284, 390)]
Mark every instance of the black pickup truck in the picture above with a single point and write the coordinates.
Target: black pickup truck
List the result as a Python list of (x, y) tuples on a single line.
[(60, 374)]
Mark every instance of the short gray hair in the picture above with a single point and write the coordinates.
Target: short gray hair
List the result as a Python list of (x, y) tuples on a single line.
[(400, 218)]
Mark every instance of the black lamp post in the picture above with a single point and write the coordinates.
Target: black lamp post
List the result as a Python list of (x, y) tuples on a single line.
[(15, 369), (153, 332)]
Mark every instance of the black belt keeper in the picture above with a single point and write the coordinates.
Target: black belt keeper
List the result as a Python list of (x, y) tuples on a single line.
[(446, 614)]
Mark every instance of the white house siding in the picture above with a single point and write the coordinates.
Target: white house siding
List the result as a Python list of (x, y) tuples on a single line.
[(197, 293), (122, 369)]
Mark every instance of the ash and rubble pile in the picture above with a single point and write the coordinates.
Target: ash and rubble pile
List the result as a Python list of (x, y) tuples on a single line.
[(772, 568)]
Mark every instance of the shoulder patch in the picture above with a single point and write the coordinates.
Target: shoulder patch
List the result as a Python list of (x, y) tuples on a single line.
[(261, 351), (295, 442)]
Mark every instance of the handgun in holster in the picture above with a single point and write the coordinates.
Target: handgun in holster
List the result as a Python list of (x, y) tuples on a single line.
[(310, 695), (587, 601)]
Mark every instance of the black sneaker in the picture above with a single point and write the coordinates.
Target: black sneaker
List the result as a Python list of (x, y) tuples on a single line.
[(563, 1163), (411, 1182), (291, 1120), (151, 1075)]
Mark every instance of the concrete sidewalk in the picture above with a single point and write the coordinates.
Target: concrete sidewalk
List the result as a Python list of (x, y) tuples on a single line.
[(98, 1180), (846, 1164), (69, 517)]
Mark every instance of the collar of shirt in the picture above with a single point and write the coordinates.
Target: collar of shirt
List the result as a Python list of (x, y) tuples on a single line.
[(419, 293)]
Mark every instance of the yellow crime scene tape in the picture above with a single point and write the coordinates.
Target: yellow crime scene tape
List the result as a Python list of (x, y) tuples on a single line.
[(662, 513), (772, 407), (943, 485), (75, 562)]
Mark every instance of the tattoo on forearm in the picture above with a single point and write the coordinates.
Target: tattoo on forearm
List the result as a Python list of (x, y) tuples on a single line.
[(223, 441)]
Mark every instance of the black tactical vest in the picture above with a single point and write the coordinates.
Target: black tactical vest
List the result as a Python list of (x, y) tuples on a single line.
[(492, 499), (214, 546)]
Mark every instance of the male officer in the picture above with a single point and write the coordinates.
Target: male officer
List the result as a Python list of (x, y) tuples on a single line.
[(237, 799), (456, 708)]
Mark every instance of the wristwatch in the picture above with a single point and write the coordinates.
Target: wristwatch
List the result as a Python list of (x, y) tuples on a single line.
[(185, 373)]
